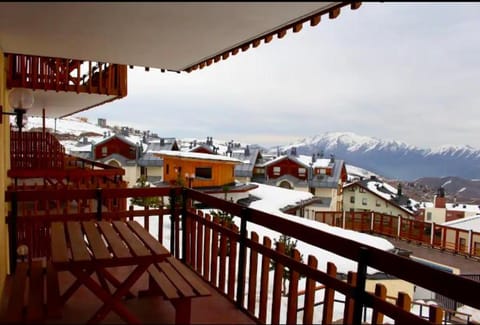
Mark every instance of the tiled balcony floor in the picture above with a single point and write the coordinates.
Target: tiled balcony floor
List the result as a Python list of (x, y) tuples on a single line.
[(214, 309)]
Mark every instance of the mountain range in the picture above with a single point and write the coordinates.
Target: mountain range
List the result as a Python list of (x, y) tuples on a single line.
[(392, 159), (421, 171)]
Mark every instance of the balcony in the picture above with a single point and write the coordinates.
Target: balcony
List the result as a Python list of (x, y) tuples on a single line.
[(241, 266), (81, 84)]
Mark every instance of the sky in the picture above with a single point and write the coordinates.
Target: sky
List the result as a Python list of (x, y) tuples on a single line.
[(406, 72)]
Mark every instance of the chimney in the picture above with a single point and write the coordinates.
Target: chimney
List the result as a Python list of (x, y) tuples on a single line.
[(162, 141), (332, 158), (247, 151), (313, 158), (439, 199), (399, 189), (293, 151)]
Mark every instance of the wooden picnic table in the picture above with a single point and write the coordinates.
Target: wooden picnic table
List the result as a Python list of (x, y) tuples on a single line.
[(89, 247)]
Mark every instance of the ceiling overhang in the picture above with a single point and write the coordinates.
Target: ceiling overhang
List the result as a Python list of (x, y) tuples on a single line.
[(171, 36), (175, 36)]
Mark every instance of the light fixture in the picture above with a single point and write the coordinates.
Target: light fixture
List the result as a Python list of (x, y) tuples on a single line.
[(20, 99), (190, 178)]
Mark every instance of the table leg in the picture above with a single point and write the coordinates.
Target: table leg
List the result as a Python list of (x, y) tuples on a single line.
[(112, 302), (113, 280)]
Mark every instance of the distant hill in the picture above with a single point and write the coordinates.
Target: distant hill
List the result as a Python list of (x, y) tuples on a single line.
[(388, 162), (393, 159)]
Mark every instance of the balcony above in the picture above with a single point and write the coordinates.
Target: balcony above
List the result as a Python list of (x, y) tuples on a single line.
[(64, 86)]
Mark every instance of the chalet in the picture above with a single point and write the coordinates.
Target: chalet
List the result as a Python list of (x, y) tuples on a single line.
[(377, 196), (250, 158), (151, 165), (213, 174), (322, 177), (439, 211), (119, 151)]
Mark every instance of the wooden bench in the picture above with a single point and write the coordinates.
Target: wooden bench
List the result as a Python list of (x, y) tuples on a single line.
[(27, 301), (178, 284)]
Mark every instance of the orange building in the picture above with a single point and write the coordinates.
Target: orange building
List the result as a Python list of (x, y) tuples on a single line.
[(198, 170)]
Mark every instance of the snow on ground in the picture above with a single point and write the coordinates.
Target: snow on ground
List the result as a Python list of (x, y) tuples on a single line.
[(271, 200)]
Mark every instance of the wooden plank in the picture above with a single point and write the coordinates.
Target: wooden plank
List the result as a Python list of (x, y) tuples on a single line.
[(116, 244), (267, 242), (329, 296), (16, 300), (190, 276), (277, 285), (179, 282), (232, 260), (252, 276), (53, 292), (77, 242), (223, 262), (135, 244), (206, 250), (293, 292), (349, 301), (309, 301), (35, 311), (58, 243), (147, 238), (97, 245), (164, 284)]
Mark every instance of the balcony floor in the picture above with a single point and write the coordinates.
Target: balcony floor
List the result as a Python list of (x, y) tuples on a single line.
[(214, 309)]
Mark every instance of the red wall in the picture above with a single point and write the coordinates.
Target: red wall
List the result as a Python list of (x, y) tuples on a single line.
[(117, 146), (287, 167)]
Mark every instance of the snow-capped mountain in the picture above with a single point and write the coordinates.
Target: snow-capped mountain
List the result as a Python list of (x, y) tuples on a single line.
[(393, 159)]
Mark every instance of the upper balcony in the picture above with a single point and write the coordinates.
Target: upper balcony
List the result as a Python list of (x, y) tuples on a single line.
[(65, 86)]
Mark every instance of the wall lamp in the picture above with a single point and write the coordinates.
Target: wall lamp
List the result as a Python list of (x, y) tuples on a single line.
[(20, 99)]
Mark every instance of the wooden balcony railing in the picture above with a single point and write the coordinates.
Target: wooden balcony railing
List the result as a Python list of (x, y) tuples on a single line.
[(458, 241), (47, 73), (40, 157), (238, 262)]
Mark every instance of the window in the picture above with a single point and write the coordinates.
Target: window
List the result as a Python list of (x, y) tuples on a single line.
[(276, 170), (429, 216), (104, 151), (361, 190), (203, 172), (462, 244), (352, 199), (377, 203), (364, 201), (167, 169), (301, 172)]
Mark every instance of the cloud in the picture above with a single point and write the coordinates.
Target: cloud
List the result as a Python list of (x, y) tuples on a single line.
[(385, 70)]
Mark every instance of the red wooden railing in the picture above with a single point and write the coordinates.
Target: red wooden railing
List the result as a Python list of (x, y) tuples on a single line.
[(35, 150), (47, 73), (459, 241), (39, 157), (237, 262)]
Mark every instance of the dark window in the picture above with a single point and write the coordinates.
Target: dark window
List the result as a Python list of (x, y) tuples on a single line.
[(167, 170), (203, 172)]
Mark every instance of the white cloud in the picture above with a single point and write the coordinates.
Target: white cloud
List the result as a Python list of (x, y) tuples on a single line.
[(385, 70)]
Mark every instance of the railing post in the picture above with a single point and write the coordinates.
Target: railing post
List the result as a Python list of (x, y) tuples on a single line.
[(184, 225), (99, 203), (172, 220), (469, 247), (372, 218), (432, 233), (360, 287), (242, 257), (12, 230)]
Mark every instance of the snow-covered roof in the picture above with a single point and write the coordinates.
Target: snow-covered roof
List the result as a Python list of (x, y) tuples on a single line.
[(475, 208), (388, 193), (195, 155), (272, 199), (468, 223)]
